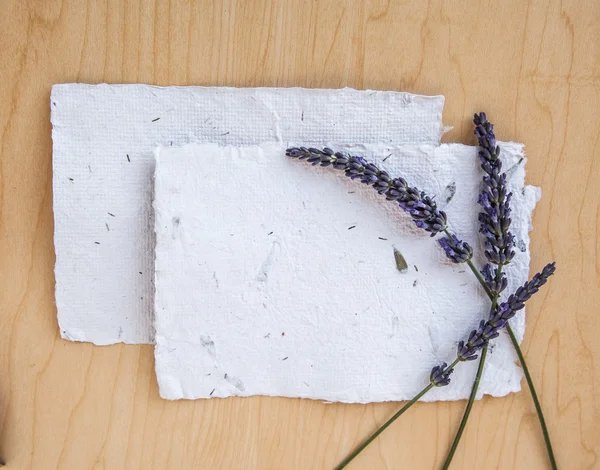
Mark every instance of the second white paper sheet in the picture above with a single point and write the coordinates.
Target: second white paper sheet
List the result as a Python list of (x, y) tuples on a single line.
[(277, 278)]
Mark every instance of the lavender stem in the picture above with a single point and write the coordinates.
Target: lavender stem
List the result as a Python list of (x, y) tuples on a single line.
[(477, 381), (467, 350), (400, 412), (463, 422), (480, 279), (536, 401), (360, 448), (475, 272)]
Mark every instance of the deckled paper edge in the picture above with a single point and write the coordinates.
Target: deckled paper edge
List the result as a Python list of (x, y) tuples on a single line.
[(530, 192), (75, 334), (407, 97)]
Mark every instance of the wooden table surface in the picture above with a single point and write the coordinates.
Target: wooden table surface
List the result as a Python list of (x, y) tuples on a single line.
[(534, 66)]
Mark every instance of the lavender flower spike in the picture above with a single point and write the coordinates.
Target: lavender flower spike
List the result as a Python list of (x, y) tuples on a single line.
[(420, 206), (495, 200), (456, 250), (495, 285), (478, 339), (440, 375), (490, 329)]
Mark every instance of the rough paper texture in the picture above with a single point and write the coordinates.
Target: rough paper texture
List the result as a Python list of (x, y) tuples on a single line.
[(103, 138), (277, 278)]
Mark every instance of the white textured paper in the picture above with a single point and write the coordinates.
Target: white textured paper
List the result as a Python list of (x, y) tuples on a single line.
[(103, 138), (277, 278)]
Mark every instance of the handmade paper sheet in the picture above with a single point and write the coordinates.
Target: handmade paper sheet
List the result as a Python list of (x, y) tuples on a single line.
[(274, 277), (103, 138)]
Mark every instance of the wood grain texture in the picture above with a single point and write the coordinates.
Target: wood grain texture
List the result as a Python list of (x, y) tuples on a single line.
[(534, 66)]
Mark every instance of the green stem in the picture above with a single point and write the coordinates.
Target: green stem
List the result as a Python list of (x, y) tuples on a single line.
[(481, 280), (360, 448), (465, 417), (536, 401), (463, 423)]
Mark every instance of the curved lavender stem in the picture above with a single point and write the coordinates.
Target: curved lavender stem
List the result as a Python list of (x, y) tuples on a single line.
[(480, 278), (536, 401)]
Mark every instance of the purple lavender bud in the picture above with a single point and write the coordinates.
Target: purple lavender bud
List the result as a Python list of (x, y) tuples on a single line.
[(440, 375), (421, 207), (484, 130), (465, 353), (478, 339), (484, 201), (487, 331), (457, 250), (503, 313), (296, 152), (495, 283)]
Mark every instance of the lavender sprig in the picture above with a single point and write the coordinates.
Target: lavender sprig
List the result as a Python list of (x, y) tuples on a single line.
[(495, 199), (495, 221), (440, 375), (478, 339), (419, 205), (490, 329)]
